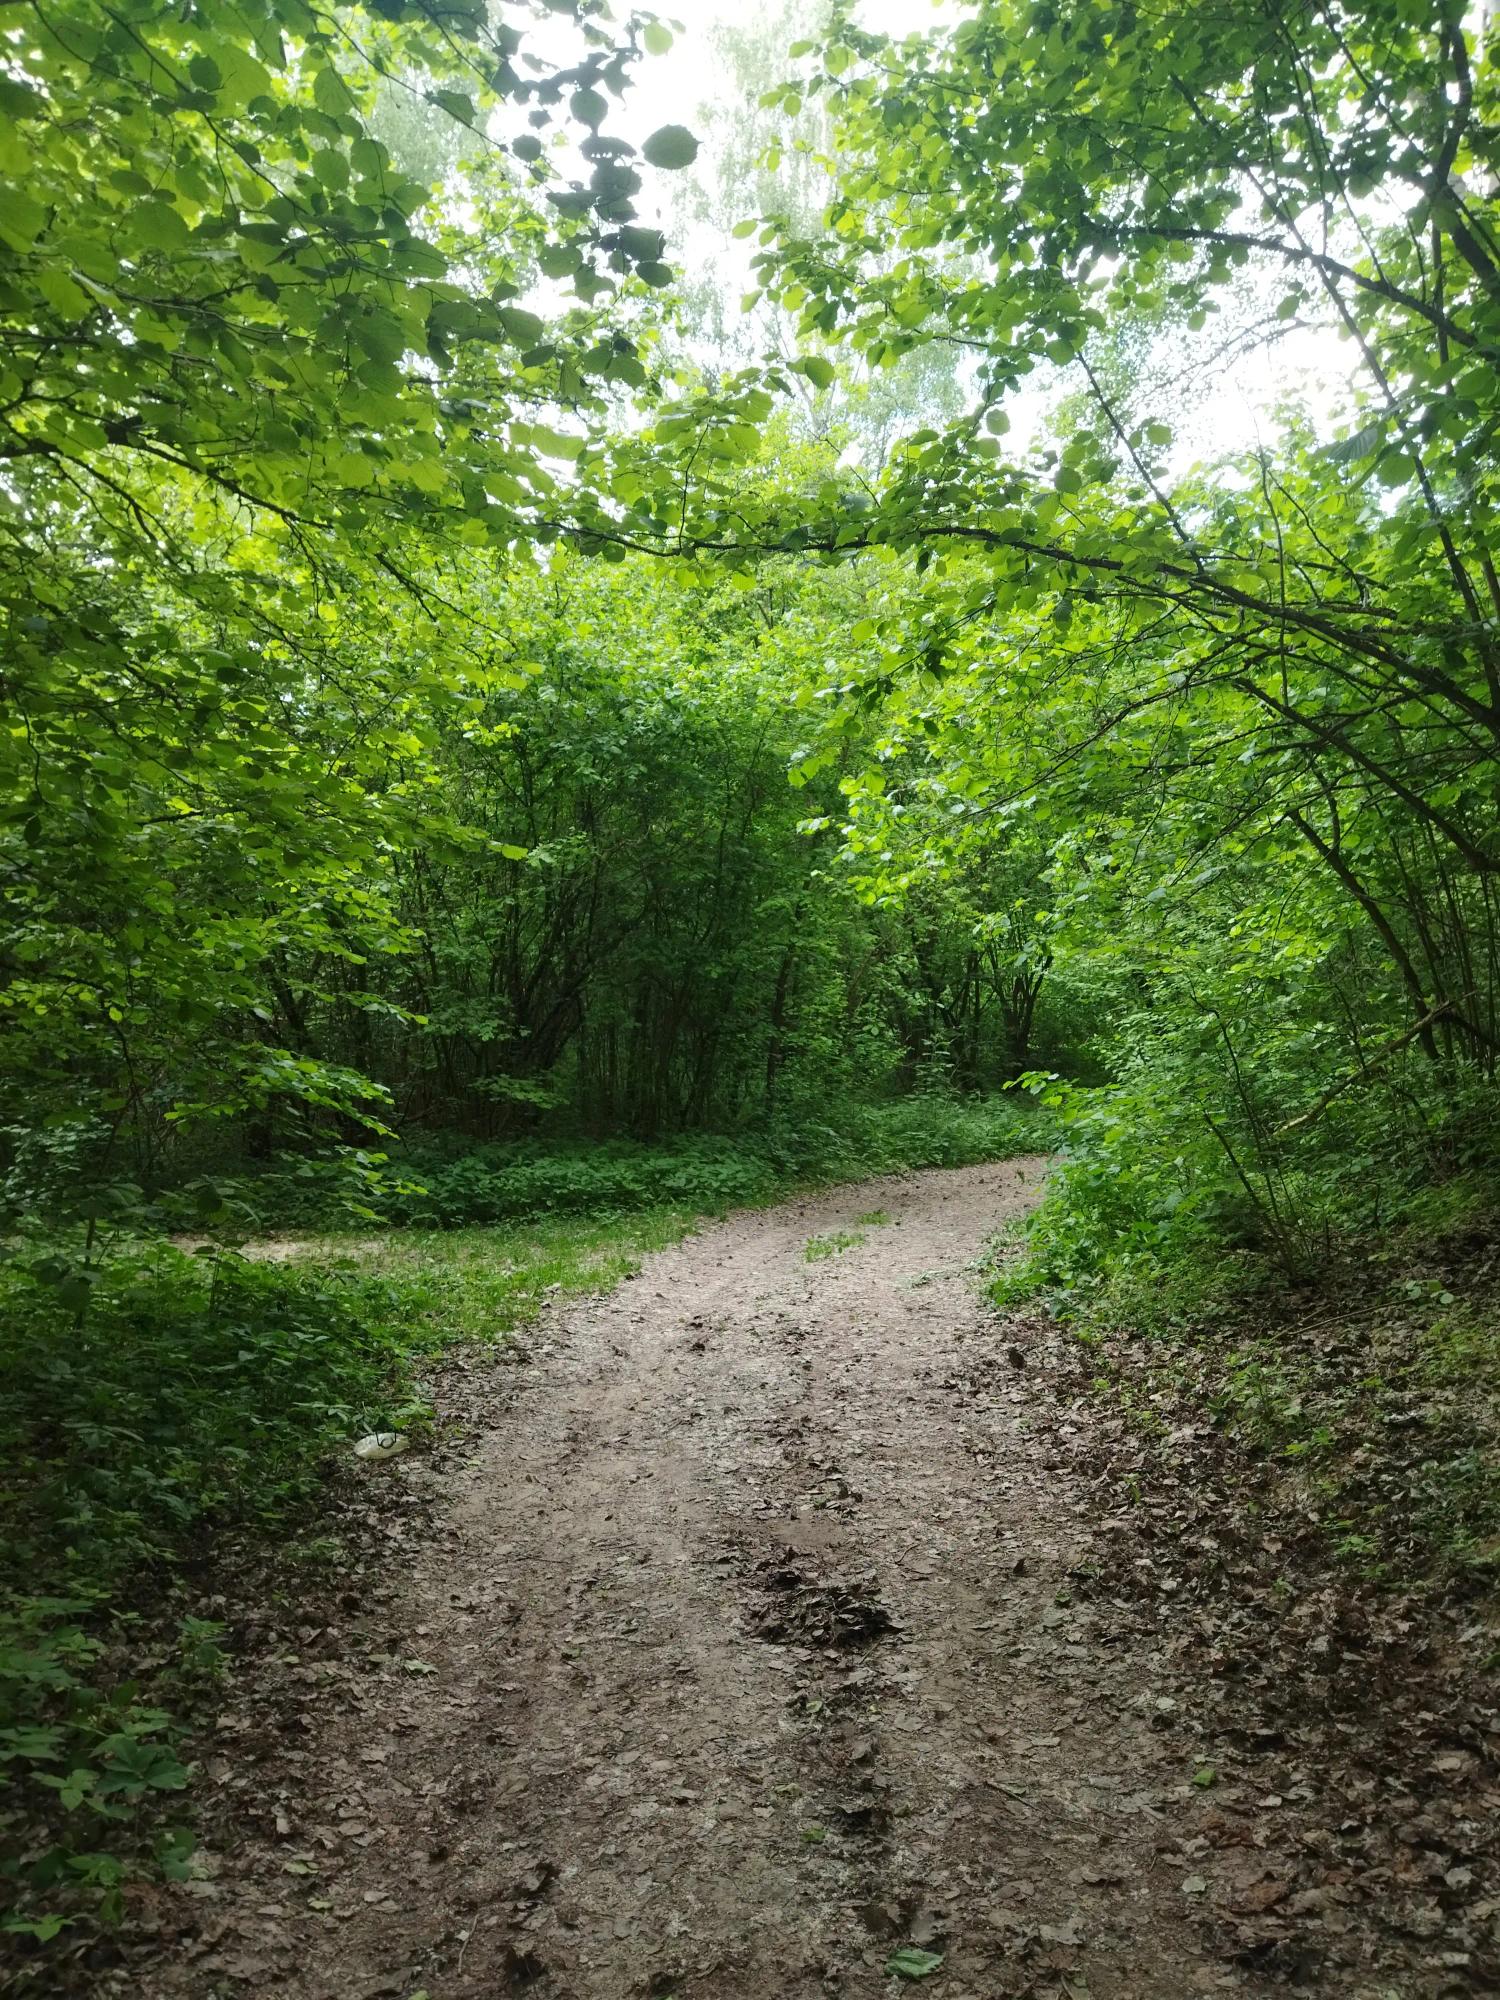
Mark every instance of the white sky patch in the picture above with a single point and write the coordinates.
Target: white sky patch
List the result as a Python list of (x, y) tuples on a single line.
[(1226, 404), (692, 73), (691, 79)]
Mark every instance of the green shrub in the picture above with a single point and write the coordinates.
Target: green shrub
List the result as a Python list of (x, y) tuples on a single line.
[(1175, 1184), (514, 1182), (517, 1181)]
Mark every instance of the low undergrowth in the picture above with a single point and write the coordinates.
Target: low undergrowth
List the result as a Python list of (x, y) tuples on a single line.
[(1297, 1479), (197, 1395), (1373, 1391), (448, 1185), (1324, 1289)]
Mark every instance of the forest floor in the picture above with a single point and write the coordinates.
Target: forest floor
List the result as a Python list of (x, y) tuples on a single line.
[(766, 1628)]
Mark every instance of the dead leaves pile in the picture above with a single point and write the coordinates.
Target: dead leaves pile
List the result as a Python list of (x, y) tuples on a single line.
[(1347, 1731)]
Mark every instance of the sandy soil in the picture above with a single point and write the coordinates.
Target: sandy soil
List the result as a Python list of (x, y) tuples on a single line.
[(745, 1653)]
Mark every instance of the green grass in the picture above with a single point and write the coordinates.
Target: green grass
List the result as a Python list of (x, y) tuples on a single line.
[(833, 1244), (478, 1283)]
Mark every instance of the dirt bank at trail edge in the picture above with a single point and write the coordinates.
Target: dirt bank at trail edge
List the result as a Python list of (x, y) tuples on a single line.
[(746, 1657)]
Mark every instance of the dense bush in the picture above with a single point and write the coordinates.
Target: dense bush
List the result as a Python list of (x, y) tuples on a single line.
[(502, 1183), (1186, 1180), (506, 1182)]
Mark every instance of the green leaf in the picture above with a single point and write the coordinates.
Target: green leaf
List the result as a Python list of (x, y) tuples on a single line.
[(43, 1928), (158, 225), (22, 219), (560, 260), (244, 79), (330, 168), (33, 1743), (912, 1963), (330, 92), (671, 147), (556, 444), (380, 336), (645, 245), (525, 328), (17, 100), (457, 103)]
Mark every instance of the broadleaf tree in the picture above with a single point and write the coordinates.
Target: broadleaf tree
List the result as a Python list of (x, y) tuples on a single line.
[(259, 384)]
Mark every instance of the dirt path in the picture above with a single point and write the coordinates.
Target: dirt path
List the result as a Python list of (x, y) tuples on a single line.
[(747, 1657)]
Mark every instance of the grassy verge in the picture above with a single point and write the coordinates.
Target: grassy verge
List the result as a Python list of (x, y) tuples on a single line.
[(200, 1395), (430, 1287)]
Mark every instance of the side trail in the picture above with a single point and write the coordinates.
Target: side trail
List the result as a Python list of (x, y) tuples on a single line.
[(750, 1658)]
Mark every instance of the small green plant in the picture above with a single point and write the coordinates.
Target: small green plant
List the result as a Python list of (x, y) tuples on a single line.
[(832, 1245), (201, 1657)]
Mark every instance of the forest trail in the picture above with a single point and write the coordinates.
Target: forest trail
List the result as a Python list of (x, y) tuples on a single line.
[(747, 1656)]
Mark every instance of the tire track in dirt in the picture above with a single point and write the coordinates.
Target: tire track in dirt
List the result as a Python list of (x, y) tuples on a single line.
[(750, 1654)]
